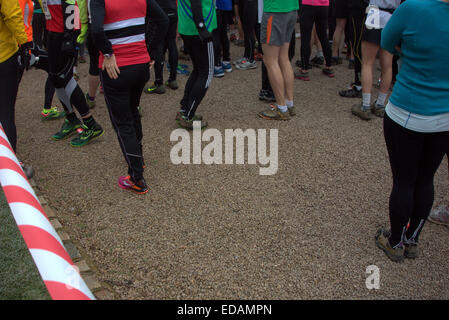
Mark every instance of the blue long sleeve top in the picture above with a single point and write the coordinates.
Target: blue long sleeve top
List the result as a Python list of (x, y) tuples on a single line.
[(421, 29)]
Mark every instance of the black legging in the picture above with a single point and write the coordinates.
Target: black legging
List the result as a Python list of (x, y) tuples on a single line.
[(248, 11), (155, 35), (414, 159), (202, 55), (221, 40), (308, 16), (356, 26), (170, 45)]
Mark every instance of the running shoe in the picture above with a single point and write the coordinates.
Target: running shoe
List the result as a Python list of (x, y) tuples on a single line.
[(246, 65), (67, 129), (218, 72), (28, 170), (273, 113), (86, 135), (188, 123), (292, 111), (239, 61), (126, 183), (353, 92), (227, 66), (362, 113), (52, 114), (440, 215), (155, 88), (378, 110), (328, 72), (265, 95), (336, 61), (395, 254), (411, 250), (180, 114), (317, 61), (90, 103), (233, 37), (302, 75), (172, 84), (258, 57)]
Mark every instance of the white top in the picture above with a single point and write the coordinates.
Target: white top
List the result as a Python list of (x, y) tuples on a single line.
[(418, 122)]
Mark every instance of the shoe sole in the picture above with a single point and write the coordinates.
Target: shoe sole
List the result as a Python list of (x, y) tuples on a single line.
[(49, 119), (268, 118), (88, 141), (303, 78), (410, 256), (245, 68), (228, 70), (218, 75)]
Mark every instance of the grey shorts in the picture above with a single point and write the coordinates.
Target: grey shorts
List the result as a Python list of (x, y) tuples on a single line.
[(277, 27)]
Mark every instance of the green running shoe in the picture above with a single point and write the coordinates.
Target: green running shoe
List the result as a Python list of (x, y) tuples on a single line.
[(52, 114), (90, 103), (67, 129), (154, 88), (173, 84), (86, 135)]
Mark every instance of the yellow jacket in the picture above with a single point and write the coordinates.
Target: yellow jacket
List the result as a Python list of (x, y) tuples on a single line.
[(12, 29)]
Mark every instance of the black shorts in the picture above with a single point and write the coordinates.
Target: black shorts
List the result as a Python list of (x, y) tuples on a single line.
[(372, 35), (94, 56), (341, 9)]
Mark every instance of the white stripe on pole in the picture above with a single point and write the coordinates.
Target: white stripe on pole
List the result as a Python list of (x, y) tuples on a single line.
[(54, 268), (12, 178), (24, 214)]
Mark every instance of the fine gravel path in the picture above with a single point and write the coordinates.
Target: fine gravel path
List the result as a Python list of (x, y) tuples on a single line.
[(224, 231)]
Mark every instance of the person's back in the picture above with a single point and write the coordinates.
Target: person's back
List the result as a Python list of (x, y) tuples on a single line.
[(421, 28)]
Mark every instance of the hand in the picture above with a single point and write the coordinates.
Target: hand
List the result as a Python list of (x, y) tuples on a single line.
[(24, 54), (204, 34), (110, 64), (68, 45), (83, 35), (151, 64)]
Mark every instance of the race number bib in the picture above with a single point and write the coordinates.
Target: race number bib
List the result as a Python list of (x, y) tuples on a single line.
[(45, 9), (376, 18)]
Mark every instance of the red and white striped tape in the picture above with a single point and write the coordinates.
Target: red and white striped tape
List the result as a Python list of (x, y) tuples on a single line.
[(55, 266)]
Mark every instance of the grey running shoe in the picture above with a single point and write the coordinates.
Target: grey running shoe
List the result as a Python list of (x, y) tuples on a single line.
[(378, 110), (188, 123), (246, 65)]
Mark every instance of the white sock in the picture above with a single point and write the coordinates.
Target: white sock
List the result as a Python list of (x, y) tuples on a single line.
[(289, 103), (366, 100), (282, 108), (381, 99)]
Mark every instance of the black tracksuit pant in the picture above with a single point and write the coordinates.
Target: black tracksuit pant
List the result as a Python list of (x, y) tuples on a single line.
[(122, 97), (9, 86), (414, 159), (356, 25), (308, 15), (202, 56)]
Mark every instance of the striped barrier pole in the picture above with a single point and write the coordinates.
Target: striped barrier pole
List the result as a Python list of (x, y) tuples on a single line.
[(60, 275)]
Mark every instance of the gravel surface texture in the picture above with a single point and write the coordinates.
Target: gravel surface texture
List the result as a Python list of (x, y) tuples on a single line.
[(224, 231)]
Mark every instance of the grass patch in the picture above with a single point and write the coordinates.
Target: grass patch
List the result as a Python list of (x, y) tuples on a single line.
[(19, 278)]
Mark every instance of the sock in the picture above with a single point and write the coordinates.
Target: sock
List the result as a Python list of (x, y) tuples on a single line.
[(289, 103), (366, 100), (72, 117), (282, 108), (381, 99), (89, 122)]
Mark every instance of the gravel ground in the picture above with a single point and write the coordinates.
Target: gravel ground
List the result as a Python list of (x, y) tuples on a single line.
[(224, 231)]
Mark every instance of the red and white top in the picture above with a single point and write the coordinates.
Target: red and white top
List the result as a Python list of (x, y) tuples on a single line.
[(124, 27), (55, 19)]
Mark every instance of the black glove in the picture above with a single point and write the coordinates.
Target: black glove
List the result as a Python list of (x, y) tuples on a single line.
[(204, 34), (24, 55), (68, 44)]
